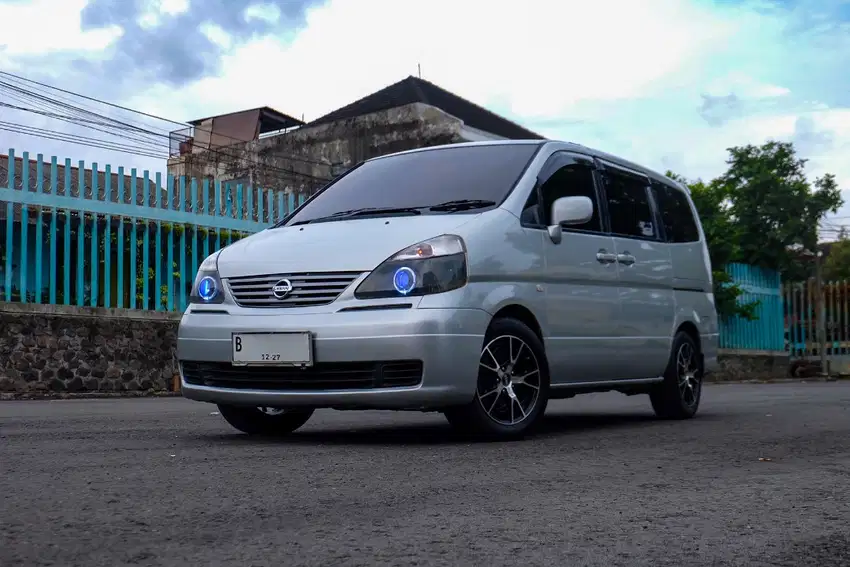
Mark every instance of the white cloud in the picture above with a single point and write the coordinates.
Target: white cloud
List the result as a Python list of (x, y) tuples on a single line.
[(265, 12), (537, 62), (173, 7), (626, 77), (745, 86), (157, 9), (216, 35), (46, 26)]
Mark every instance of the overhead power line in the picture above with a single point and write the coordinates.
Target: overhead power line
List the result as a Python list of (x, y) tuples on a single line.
[(159, 151), (74, 138), (89, 119), (146, 141), (154, 116)]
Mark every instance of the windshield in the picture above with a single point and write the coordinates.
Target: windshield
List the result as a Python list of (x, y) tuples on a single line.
[(440, 181)]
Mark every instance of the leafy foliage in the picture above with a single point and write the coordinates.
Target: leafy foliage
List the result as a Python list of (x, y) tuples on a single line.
[(776, 209), (764, 212), (837, 264)]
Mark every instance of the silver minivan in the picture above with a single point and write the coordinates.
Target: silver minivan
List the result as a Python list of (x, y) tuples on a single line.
[(479, 280)]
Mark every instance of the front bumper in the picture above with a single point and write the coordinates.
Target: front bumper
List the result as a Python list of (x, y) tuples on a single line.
[(447, 341)]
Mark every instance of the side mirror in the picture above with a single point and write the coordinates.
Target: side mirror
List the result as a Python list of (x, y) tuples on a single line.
[(569, 211)]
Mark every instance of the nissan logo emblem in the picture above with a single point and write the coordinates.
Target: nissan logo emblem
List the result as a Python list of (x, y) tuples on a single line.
[(282, 289)]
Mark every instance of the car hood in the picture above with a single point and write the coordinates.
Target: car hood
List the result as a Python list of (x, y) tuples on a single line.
[(339, 246)]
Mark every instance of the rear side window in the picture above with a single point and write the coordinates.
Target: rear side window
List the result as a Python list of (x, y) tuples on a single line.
[(676, 214), (628, 206)]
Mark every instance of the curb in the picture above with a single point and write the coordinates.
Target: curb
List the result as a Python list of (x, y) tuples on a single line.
[(11, 396), (814, 379)]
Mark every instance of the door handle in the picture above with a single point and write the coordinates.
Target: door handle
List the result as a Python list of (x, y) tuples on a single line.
[(605, 257), (626, 258)]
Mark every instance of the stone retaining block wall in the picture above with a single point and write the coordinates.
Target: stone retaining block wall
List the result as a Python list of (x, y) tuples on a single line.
[(737, 365), (49, 348)]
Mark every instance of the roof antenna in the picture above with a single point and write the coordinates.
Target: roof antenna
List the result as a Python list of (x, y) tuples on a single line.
[(419, 69)]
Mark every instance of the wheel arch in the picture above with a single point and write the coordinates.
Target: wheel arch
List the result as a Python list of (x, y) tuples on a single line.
[(522, 314), (691, 329)]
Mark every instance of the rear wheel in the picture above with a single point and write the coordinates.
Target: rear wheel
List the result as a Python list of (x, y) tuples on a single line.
[(513, 383), (678, 396), (264, 420)]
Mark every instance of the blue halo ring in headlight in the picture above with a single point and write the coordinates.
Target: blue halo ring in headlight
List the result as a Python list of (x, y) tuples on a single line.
[(207, 288), (404, 280)]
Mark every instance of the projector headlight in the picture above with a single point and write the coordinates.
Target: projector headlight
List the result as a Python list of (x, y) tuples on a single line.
[(207, 288), (432, 266)]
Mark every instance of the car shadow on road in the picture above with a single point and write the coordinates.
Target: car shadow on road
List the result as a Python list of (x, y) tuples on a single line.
[(552, 425)]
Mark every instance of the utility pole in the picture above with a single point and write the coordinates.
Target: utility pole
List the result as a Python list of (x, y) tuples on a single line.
[(821, 306)]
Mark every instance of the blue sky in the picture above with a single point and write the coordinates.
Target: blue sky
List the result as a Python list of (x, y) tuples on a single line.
[(668, 83)]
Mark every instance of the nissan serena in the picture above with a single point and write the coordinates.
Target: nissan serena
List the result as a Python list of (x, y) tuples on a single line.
[(479, 280)]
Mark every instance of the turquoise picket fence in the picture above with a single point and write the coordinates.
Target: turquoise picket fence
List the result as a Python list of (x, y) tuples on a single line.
[(767, 332), (801, 318), (103, 238)]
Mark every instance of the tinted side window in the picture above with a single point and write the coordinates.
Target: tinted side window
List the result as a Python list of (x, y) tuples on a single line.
[(676, 214), (571, 181), (628, 206)]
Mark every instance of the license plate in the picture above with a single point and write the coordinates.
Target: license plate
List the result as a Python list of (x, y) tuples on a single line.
[(281, 349)]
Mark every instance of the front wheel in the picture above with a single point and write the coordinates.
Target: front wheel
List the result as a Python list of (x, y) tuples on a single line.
[(678, 396), (263, 420), (513, 383)]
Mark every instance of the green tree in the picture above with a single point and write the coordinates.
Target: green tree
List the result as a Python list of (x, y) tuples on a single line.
[(775, 209), (761, 211), (837, 264)]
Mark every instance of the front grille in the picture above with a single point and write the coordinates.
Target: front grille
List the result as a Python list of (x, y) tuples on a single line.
[(321, 376), (308, 289)]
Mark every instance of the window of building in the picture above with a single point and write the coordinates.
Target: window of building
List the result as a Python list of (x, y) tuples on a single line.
[(628, 206), (676, 214)]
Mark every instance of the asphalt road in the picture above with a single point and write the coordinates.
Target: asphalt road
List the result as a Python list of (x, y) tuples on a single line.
[(166, 482)]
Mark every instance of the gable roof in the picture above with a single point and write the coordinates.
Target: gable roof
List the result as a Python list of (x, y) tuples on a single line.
[(413, 89)]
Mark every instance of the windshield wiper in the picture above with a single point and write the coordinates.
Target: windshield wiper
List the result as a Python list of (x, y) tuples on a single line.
[(462, 205), (364, 212), (448, 206)]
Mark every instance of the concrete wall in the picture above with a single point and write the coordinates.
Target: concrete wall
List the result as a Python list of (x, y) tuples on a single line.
[(286, 162), (48, 348), (735, 365)]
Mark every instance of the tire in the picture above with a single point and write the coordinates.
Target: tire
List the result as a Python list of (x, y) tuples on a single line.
[(678, 396), (264, 421), (523, 389)]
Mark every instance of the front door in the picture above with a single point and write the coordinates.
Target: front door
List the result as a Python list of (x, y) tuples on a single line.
[(645, 270), (581, 281)]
